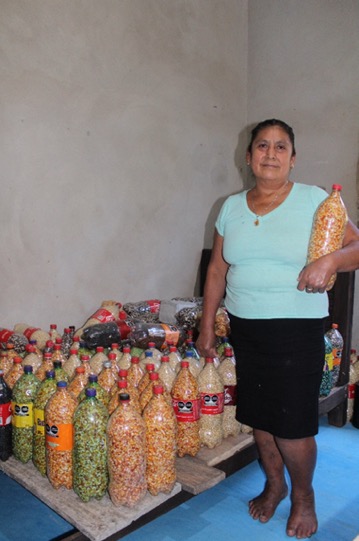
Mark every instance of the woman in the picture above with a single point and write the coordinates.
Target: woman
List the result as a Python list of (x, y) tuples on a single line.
[(277, 307)]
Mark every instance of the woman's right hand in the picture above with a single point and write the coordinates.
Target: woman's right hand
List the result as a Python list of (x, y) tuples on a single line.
[(206, 344)]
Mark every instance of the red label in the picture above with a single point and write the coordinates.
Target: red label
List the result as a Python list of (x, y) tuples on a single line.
[(212, 403), (5, 414), (230, 395), (29, 331), (351, 391), (154, 306), (103, 316), (187, 411), (5, 334)]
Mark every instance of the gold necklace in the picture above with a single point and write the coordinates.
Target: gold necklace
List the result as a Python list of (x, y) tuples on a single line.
[(279, 192)]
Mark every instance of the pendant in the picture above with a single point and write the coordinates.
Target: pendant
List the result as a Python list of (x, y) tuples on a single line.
[(256, 221)]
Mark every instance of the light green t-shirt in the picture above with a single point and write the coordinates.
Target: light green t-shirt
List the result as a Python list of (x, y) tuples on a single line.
[(265, 260)]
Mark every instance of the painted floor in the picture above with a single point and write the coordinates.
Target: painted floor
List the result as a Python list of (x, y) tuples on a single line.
[(221, 512)]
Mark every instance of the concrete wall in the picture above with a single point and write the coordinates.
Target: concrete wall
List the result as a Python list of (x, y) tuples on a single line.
[(303, 68), (119, 124)]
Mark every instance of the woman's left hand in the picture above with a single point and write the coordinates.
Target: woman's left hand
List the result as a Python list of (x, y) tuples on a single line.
[(314, 277)]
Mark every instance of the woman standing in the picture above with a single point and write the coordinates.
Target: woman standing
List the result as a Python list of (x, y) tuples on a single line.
[(277, 307)]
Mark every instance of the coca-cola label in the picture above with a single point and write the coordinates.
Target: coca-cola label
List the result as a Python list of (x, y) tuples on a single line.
[(5, 334), (230, 395), (187, 411), (29, 331), (5, 414), (103, 316), (212, 403), (22, 415)]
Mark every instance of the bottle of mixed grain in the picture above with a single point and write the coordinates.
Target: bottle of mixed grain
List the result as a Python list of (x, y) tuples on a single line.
[(211, 390)]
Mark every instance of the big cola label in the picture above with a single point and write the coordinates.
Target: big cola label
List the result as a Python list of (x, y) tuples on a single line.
[(5, 414), (212, 403), (187, 411)]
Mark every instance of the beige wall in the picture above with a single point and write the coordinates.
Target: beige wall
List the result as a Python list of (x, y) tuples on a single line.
[(123, 127), (119, 123)]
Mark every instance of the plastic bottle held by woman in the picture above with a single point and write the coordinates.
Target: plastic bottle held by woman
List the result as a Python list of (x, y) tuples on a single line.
[(186, 405), (161, 438), (337, 343), (328, 228), (22, 407), (211, 390), (5, 419), (126, 454), (46, 389), (59, 437), (90, 448), (227, 373)]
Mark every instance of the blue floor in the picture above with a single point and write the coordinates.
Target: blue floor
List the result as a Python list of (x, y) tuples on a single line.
[(221, 512)]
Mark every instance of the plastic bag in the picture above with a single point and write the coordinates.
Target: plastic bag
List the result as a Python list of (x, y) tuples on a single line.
[(102, 334)]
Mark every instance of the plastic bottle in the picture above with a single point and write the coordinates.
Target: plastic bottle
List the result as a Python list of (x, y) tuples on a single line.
[(59, 413), (60, 374), (72, 362), (353, 379), (45, 366), (7, 358), (328, 228), (144, 381), (33, 333), (151, 355), (31, 358), (57, 354), (161, 436), (90, 448), (54, 332), (112, 358), (337, 343), (106, 377), (97, 360), (147, 392), (211, 390), (19, 341), (166, 373), (22, 407), (227, 373), (5, 419), (46, 389), (193, 363), (66, 341), (115, 349), (101, 394), (125, 360), (85, 362), (15, 372), (121, 387), (175, 358), (186, 405), (126, 443), (78, 382), (326, 383), (135, 372)]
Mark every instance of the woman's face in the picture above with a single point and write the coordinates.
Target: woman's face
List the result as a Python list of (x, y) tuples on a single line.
[(271, 154)]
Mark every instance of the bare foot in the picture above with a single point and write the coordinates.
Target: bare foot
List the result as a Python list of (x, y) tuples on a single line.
[(302, 522), (263, 506)]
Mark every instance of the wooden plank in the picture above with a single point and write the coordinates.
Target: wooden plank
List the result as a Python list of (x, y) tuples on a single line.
[(97, 519), (195, 476), (229, 447)]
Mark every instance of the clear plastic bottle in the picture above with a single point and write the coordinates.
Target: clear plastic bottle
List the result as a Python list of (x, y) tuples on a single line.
[(106, 377), (101, 394), (161, 441), (46, 389), (227, 373), (66, 341), (97, 360), (155, 358), (337, 343), (71, 363), (90, 448), (166, 373), (121, 387), (147, 392), (7, 358), (22, 407), (54, 332), (114, 367), (193, 363), (31, 358), (57, 354), (78, 382), (115, 349), (33, 333), (85, 362), (125, 360), (60, 374), (175, 358), (59, 412), (126, 443), (328, 228), (15, 372), (135, 372), (211, 390), (144, 381), (186, 404), (46, 365), (18, 340), (5, 419)]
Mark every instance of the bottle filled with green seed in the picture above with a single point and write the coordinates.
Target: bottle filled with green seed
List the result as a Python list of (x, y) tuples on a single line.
[(23, 397), (46, 389), (90, 448)]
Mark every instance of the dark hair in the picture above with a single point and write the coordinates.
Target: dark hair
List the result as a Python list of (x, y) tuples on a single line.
[(268, 123)]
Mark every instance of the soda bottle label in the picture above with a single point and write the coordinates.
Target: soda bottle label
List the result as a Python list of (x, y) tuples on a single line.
[(59, 437), (5, 414), (5, 334), (230, 395), (187, 411), (29, 331), (39, 421), (212, 403), (103, 316), (22, 415)]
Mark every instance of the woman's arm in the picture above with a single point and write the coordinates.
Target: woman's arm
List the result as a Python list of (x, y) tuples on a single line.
[(317, 274), (214, 289)]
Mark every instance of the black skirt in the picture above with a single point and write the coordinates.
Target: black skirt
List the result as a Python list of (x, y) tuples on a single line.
[(279, 365)]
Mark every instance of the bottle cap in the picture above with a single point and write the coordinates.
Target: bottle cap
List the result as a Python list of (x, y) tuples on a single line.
[(123, 373), (123, 397), (135, 360), (153, 376), (90, 392), (337, 187), (62, 384), (17, 360), (209, 359), (165, 359), (50, 374), (122, 384), (28, 369), (151, 344), (189, 353), (93, 378), (126, 349), (150, 366), (80, 369), (112, 356), (99, 349), (158, 389), (148, 353), (114, 345), (184, 364)]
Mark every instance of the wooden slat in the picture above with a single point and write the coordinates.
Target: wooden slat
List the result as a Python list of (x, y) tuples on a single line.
[(195, 476)]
